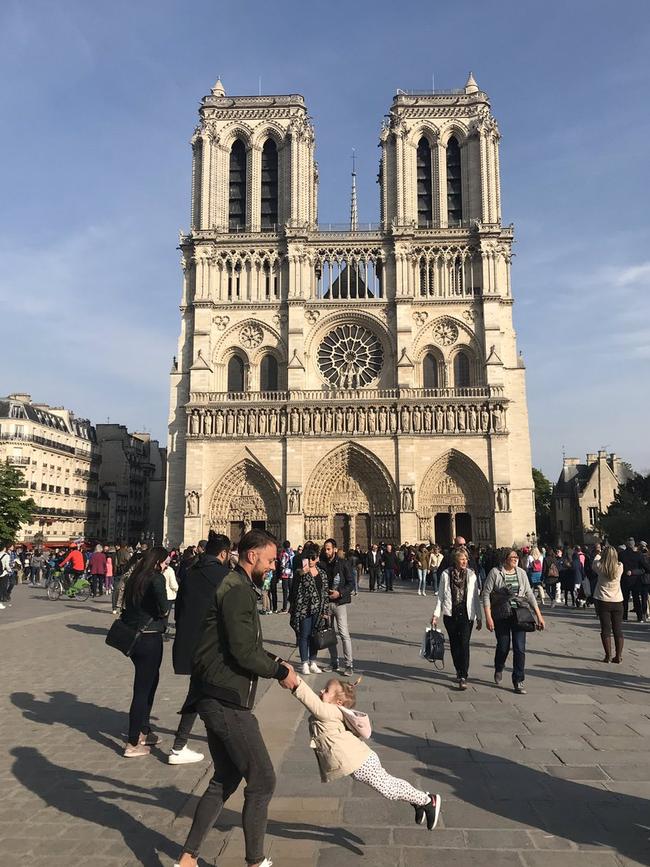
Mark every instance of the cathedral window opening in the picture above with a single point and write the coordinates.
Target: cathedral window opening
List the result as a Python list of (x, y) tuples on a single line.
[(269, 209), (430, 375), (269, 373), (234, 281), (349, 277), (457, 277), (424, 191), (454, 186), (427, 277), (270, 280), (237, 193), (350, 356), (462, 378), (235, 375), (197, 177)]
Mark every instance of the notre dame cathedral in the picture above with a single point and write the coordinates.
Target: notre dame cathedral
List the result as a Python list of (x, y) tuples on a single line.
[(356, 382)]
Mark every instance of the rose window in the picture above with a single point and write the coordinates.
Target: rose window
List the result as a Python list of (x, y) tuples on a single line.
[(350, 356), (445, 332)]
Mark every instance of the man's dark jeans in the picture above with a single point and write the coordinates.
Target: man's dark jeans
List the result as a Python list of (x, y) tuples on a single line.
[(504, 631), (238, 752), (388, 579)]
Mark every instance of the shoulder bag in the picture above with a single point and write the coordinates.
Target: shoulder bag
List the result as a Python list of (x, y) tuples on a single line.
[(124, 638), (433, 647), (524, 618), (323, 637)]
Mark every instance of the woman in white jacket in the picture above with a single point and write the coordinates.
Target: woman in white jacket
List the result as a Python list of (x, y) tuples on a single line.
[(458, 602)]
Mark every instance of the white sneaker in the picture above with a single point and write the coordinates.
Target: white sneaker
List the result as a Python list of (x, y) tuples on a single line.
[(186, 756), (266, 863), (419, 593), (423, 593), (314, 669), (305, 668), (2, 605)]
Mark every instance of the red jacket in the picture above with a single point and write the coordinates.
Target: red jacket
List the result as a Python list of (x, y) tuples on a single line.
[(76, 559), (98, 563)]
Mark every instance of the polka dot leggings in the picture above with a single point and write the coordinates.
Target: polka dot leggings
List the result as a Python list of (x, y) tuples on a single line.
[(392, 788)]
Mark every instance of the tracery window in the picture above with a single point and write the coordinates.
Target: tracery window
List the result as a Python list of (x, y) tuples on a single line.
[(350, 356), (269, 209), (427, 272), (430, 371), (237, 193), (462, 377), (425, 198), (454, 184), (235, 375), (269, 373)]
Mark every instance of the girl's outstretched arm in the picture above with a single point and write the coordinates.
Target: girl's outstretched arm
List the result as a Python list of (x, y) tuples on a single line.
[(318, 708)]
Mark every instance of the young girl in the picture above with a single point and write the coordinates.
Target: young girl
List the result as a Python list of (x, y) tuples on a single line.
[(341, 753)]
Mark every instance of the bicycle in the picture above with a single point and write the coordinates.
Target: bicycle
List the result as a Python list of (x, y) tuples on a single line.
[(56, 587)]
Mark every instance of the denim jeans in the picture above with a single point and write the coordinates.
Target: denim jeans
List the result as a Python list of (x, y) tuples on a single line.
[(388, 579), (339, 620), (304, 638), (422, 580), (238, 752), (504, 631)]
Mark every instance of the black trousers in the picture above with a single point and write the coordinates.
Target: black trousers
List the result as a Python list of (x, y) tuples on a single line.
[(238, 752), (373, 577), (610, 615), (459, 628), (146, 657), (640, 599)]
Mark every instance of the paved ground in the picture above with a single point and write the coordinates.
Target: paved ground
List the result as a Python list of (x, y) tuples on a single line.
[(558, 777)]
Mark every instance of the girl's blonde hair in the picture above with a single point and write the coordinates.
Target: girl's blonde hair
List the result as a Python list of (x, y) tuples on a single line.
[(536, 554), (347, 691), (609, 563)]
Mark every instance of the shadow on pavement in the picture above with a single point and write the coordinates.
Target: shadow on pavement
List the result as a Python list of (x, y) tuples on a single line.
[(88, 630), (501, 787)]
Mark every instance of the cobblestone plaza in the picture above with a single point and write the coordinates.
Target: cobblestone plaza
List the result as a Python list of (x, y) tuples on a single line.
[(557, 778)]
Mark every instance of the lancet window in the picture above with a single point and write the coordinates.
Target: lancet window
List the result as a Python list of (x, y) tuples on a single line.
[(235, 375), (237, 192), (430, 378), (425, 196), (269, 204), (269, 373), (462, 376), (454, 184), (349, 274)]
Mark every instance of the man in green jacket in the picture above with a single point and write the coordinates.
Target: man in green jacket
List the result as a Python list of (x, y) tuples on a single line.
[(227, 662)]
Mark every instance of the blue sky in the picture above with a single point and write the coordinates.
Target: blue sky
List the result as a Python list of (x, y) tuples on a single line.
[(98, 103)]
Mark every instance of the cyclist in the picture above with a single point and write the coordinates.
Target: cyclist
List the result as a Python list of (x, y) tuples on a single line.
[(75, 566)]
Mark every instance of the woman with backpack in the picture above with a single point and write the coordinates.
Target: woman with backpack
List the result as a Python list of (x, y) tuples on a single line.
[(535, 573), (553, 564)]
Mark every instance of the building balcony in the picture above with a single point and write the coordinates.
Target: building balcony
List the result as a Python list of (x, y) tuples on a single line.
[(38, 440), (18, 460)]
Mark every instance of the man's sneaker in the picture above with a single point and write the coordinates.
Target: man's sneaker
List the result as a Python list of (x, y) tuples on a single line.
[(314, 669), (348, 671), (519, 689), (462, 683), (266, 863), (432, 811), (498, 676), (133, 752), (2, 606), (184, 756), (305, 668)]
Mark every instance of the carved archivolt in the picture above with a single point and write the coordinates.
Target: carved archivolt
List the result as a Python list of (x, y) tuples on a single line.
[(246, 493), (248, 332), (422, 419), (454, 482)]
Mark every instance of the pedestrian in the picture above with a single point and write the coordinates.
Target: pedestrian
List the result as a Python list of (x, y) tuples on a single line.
[(38, 567), (286, 573), (97, 568), (458, 602), (422, 569), (227, 662), (608, 598), (374, 567), (145, 609), (353, 559), (194, 599), (171, 589), (632, 583), (553, 565), (122, 557), (340, 585), (435, 559), (535, 571), (340, 752), (309, 607), (110, 570), (579, 575), (389, 567), (5, 575), (511, 577)]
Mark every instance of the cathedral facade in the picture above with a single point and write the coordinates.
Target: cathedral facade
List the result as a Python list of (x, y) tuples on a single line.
[(360, 383)]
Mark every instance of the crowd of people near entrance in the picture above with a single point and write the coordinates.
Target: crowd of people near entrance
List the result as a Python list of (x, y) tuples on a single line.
[(214, 593)]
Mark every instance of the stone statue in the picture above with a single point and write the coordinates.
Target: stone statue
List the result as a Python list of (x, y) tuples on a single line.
[(405, 418), (306, 421), (283, 422), (361, 420), (195, 423), (497, 418), (338, 420), (273, 422), (372, 420), (293, 501), (407, 500), (207, 424), (294, 421), (392, 419), (241, 422), (230, 423), (485, 420), (473, 418), (462, 419), (318, 421), (501, 500), (428, 419), (262, 422), (439, 419), (192, 504), (417, 419), (252, 422), (450, 420), (328, 420), (383, 419), (349, 420), (218, 423)]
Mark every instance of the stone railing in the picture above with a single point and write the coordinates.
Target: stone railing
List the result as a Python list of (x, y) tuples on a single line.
[(324, 396), (425, 418)]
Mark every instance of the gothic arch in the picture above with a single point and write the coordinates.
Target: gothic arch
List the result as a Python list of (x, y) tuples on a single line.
[(230, 339), (269, 130), (455, 485), (350, 480), (246, 493), (236, 130), (465, 339), (424, 130), (454, 129)]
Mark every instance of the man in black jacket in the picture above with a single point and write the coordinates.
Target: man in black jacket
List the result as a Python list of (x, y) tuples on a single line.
[(227, 662), (196, 593), (340, 583), (632, 581)]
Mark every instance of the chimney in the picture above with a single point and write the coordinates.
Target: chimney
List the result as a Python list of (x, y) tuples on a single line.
[(602, 455), (591, 458)]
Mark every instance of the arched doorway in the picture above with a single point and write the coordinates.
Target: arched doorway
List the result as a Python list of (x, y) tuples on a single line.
[(351, 497), (246, 498), (455, 500)]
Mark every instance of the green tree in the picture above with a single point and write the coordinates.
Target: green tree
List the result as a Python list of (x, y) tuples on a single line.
[(15, 507), (543, 492), (629, 514)]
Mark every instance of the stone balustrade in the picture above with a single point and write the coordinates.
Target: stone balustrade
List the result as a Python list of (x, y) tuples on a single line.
[(221, 398)]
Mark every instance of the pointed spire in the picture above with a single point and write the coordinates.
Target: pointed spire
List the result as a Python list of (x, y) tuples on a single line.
[(218, 89), (354, 217), (471, 86)]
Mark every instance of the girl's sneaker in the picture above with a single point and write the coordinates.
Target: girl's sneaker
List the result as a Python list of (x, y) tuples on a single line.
[(430, 811)]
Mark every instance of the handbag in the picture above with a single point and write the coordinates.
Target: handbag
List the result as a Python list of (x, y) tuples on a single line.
[(433, 647), (524, 617), (321, 639), (124, 638)]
